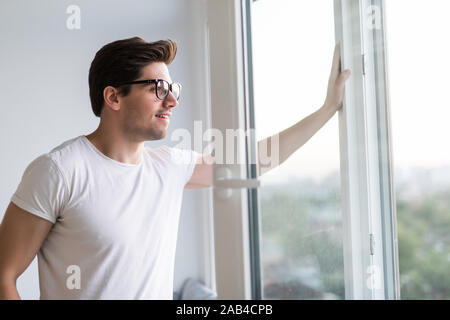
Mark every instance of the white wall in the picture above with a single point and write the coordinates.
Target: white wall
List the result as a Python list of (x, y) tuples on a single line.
[(45, 96)]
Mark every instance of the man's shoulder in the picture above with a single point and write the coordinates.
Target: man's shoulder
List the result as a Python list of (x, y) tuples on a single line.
[(67, 154)]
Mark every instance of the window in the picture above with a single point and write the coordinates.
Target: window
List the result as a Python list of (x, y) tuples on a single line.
[(362, 210)]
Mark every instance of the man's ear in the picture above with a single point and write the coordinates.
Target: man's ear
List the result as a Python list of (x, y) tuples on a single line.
[(110, 95)]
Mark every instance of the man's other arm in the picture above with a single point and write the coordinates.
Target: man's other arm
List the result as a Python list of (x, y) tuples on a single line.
[(21, 236)]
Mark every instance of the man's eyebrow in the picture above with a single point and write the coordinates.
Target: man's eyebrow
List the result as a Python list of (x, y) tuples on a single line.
[(147, 84)]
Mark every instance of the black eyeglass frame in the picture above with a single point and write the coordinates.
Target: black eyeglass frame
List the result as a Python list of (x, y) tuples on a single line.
[(150, 81)]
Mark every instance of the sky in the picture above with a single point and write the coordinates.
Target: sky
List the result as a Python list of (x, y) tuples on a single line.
[(293, 43)]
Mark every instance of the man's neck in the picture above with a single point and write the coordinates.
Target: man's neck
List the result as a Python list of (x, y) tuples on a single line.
[(116, 146)]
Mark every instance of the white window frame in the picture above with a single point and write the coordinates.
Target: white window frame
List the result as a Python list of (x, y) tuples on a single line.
[(228, 103), (370, 236)]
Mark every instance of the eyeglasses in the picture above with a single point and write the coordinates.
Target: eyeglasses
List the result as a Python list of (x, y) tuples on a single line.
[(162, 87)]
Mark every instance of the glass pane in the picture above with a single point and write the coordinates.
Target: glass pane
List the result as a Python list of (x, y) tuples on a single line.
[(301, 221), (419, 65)]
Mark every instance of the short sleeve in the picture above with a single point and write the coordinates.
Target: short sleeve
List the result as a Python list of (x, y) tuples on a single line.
[(183, 160), (43, 190), (187, 159)]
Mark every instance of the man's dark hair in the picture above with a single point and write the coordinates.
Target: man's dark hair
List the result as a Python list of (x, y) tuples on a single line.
[(122, 61)]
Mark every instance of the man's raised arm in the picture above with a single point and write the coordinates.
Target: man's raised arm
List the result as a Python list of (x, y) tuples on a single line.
[(292, 138)]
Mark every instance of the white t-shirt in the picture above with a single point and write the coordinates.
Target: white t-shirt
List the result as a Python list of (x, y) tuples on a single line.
[(115, 224)]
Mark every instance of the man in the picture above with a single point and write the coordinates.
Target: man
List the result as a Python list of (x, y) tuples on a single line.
[(101, 211)]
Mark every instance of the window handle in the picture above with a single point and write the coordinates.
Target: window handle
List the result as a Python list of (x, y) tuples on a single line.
[(225, 184), (237, 183)]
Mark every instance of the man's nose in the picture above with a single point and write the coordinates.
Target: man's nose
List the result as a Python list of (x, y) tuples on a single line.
[(170, 100)]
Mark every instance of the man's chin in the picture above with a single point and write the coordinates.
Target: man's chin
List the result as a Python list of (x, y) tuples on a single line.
[(157, 135)]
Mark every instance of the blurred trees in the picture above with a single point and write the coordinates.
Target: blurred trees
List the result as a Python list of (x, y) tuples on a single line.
[(302, 249)]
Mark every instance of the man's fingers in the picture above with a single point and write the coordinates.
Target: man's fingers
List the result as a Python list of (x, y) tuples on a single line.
[(344, 76), (335, 69)]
